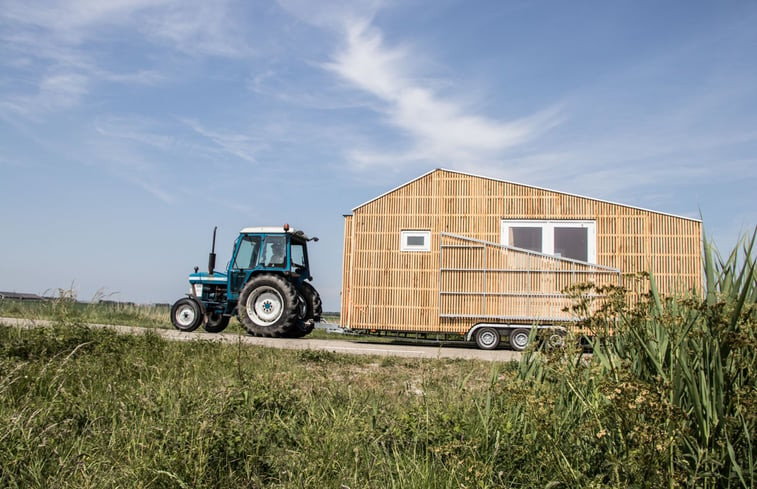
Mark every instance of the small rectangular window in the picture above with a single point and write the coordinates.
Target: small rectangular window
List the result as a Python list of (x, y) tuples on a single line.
[(415, 241)]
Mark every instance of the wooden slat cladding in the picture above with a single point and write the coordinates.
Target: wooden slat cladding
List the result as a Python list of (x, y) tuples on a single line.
[(344, 317), (388, 289)]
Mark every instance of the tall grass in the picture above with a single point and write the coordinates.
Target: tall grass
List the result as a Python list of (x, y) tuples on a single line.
[(668, 397), (89, 408), (66, 307)]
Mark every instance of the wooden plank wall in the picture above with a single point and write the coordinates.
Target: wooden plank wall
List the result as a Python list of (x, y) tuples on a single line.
[(344, 316), (387, 289)]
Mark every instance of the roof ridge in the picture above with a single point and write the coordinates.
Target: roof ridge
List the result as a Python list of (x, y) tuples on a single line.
[(523, 185)]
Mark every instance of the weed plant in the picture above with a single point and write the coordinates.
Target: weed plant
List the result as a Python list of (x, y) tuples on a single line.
[(668, 398)]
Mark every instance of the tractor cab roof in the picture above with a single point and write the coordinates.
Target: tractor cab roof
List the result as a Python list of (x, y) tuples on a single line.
[(276, 230)]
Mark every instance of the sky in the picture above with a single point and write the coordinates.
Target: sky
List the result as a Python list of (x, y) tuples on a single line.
[(130, 128)]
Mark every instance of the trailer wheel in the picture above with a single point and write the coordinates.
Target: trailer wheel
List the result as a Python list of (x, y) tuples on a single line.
[(519, 339), (487, 338), (186, 314), (216, 322), (556, 340), (268, 306)]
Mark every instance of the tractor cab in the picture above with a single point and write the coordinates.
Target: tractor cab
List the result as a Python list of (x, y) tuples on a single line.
[(268, 250)]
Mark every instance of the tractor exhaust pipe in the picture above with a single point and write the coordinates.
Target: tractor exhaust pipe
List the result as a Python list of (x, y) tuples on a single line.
[(212, 255)]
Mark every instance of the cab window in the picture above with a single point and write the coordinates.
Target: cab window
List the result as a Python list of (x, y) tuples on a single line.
[(274, 251), (247, 254), (298, 255)]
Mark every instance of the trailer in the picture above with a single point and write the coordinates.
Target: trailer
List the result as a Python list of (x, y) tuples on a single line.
[(452, 255)]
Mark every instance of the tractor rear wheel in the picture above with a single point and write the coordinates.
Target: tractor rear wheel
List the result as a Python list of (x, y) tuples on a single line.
[(268, 306), (186, 314), (216, 322), (313, 312)]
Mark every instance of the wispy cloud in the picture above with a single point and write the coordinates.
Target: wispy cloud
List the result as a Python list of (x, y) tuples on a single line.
[(240, 145), (54, 47), (55, 92), (200, 28), (188, 25), (127, 162), (440, 129), (138, 130)]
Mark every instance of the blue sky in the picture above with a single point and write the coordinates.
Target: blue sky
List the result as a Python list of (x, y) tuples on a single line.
[(129, 128)]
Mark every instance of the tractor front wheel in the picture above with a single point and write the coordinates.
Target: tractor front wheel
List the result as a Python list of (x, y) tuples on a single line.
[(268, 306), (216, 322), (186, 314)]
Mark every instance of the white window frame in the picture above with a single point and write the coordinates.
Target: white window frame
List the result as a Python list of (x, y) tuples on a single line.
[(414, 233), (548, 233)]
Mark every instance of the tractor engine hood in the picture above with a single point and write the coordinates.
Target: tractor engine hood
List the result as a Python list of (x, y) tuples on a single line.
[(218, 278)]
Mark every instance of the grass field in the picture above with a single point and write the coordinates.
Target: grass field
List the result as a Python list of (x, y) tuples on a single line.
[(86, 408), (668, 400)]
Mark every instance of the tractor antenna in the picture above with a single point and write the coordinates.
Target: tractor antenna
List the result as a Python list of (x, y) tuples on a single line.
[(212, 255)]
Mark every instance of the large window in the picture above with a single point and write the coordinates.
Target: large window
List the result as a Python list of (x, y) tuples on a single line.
[(568, 239), (415, 241)]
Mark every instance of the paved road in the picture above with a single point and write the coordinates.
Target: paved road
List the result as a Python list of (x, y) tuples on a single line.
[(339, 345)]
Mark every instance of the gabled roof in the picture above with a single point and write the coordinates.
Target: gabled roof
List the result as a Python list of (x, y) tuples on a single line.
[(523, 185)]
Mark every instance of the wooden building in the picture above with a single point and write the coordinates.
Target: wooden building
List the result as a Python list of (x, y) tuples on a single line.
[(449, 250)]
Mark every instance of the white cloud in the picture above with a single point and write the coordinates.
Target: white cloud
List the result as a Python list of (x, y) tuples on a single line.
[(55, 92), (442, 130), (196, 27), (53, 48)]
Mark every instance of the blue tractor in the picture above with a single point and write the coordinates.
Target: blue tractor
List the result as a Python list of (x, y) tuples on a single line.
[(265, 286)]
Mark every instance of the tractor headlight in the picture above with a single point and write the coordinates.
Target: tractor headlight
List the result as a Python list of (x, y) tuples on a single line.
[(196, 290)]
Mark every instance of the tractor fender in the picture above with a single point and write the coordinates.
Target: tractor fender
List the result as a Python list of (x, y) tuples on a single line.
[(200, 302)]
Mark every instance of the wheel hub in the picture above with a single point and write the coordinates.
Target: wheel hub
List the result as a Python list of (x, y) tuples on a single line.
[(520, 340), (487, 338), (265, 307), (186, 316)]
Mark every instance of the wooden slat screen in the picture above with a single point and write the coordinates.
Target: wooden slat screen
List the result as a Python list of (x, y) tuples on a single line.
[(487, 281)]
